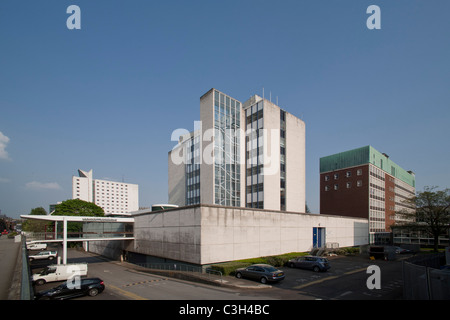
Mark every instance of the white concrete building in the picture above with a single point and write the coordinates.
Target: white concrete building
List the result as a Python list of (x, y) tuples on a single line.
[(113, 197), (275, 157), (241, 155), (205, 234)]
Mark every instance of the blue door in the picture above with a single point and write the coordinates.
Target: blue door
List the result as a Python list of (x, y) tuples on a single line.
[(318, 237), (315, 237)]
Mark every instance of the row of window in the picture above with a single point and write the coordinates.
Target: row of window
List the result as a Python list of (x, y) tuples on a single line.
[(348, 185), (348, 174)]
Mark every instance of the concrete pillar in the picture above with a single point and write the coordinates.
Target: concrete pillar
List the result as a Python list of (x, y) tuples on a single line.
[(64, 240)]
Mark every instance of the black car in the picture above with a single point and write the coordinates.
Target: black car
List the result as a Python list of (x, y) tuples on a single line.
[(67, 290), (261, 272)]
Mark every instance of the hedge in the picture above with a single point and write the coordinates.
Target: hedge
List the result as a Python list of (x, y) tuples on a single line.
[(228, 268)]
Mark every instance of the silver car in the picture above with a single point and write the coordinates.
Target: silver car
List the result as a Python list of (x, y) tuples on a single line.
[(262, 272), (310, 262)]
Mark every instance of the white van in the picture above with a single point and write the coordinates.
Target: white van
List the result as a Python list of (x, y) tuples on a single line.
[(60, 272), (36, 246)]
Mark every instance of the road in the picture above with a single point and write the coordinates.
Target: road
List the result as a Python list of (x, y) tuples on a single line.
[(123, 283)]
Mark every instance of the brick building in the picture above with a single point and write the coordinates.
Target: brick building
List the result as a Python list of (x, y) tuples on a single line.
[(365, 183)]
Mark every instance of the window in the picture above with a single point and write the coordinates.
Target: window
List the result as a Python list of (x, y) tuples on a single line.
[(359, 183), (336, 176), (327, 188), (327, 178), (349, 185), (348, 174), (359, 172), (336, 186)]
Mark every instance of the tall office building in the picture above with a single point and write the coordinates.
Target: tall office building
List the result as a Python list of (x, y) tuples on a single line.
[(113, 197), (365, 183), (242, 155)]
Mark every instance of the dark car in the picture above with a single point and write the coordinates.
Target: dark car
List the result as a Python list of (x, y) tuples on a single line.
[(262, 272), (402, 250), (310, 262), (87, 286)]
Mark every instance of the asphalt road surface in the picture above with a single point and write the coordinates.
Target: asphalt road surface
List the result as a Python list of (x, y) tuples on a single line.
[(346, 280)]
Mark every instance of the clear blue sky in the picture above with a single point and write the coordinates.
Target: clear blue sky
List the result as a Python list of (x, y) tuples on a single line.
[(107, 97)]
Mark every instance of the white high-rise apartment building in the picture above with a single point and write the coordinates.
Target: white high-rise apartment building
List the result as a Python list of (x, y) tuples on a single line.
[(113, 197), (242, 155)]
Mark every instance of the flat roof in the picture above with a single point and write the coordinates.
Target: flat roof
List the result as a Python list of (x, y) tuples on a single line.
[(76, 218)]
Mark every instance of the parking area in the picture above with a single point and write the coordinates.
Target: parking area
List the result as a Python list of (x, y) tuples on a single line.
[(346, 279)]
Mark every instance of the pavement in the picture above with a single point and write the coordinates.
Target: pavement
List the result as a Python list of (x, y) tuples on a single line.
[(9, 251)]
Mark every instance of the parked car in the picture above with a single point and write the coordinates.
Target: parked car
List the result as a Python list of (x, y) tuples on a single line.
[(36, 246), (262, 272), (88, 286), (50, 255), (400, 250), (314, 263), (60, 272)]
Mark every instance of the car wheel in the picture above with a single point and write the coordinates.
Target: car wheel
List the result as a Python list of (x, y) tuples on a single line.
[(40, 282), (263, 280), (316, 269), (93, 292), (239, 275)]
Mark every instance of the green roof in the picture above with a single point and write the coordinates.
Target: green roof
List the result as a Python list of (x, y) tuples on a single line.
[(365, 155)]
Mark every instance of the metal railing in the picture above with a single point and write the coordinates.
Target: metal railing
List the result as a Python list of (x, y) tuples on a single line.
[(205, 273), (422, 280)]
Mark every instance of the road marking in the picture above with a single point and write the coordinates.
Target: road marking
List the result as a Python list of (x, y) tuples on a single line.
[(127, 293), (328, 278), (143, 282)]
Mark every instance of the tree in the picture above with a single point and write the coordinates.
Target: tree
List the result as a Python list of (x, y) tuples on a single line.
[(36, 225), (77, 207), (431, 214), (38, 212)]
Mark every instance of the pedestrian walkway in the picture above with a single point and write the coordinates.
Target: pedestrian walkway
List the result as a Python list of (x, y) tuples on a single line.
[(9, 251)]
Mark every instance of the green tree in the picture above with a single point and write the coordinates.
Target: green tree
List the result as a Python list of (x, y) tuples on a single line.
[(36, 225), (76, 207), (431, 214), (38, 212)]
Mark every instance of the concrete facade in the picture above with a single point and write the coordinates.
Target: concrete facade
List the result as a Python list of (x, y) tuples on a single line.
[(275, 154), (242, 155), (206, 234)]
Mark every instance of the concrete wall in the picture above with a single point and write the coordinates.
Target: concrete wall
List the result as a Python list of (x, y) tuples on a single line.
[(295, 164), (207, 148), (177, 177), (109, 249), (173, 234), (209, 234)]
